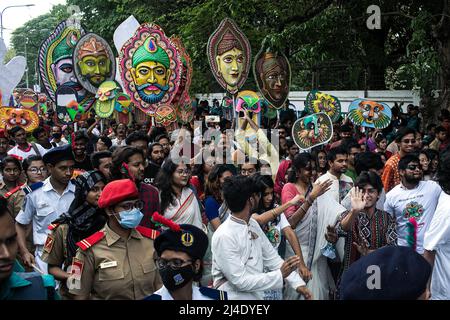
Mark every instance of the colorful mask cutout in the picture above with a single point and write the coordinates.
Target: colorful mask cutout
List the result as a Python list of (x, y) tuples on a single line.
[(273, 76), (150, 68), (10, 74), (312, 130), (371, 114), (165, 115), (66, 99), (106, 99), (248, 100), (28, 99), (56, 63), (11, 117), (229, 55), (317, 101), (182, 95), (94, 62)]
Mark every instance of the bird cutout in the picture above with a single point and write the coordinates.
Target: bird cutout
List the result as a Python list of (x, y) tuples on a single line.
[(66, 98), (371, 114), (10, 73), (227, 102), (317, 101), (12, 117), (248, 100), (106, 99), (312, 130), (122, 108), (165, 115)]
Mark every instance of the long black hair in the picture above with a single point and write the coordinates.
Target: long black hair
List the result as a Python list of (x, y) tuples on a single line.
[(262, 183), (301, 161), (163, 182)]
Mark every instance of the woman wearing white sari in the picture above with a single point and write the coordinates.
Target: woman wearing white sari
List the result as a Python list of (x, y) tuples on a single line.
[(178, 201)]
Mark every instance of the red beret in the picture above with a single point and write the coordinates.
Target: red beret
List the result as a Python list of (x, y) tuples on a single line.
[(117, 191)]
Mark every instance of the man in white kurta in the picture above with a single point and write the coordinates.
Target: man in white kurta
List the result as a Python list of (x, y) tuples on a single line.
[(244, 262), (241, 253)]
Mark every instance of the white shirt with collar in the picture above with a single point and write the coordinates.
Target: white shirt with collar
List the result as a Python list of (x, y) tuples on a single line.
[(42, 207), (342, 185), (196, 294), (241, 252)]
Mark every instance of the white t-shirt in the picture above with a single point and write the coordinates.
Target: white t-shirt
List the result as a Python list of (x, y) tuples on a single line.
[(273, 230), (25, 154), (437, 238), (419, 203)]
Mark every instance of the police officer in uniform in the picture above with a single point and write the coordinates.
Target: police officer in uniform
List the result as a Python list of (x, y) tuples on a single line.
[(46, 204), (14, 283), (117, 261), (180, 251)]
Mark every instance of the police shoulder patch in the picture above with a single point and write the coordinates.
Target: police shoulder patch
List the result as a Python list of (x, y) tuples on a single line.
[(147, 232), (91, 240), (49, 243), (213, 293)]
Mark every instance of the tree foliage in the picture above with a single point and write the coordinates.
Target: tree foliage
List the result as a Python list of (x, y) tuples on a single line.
[(328, 43)]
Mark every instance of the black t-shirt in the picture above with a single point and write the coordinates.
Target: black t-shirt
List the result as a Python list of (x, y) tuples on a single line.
[(84, 165), (150, 173)]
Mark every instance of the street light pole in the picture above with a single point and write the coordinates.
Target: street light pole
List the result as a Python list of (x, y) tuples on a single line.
[(1, 15), (26, 59)]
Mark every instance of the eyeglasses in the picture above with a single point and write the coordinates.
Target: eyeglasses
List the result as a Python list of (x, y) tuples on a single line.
[(185, 172), (409, 141), (9, 170), (413, 167), (130, 205), (35, 170), (174, 263)]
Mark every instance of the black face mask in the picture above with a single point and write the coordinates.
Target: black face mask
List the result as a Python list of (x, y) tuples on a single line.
[(57, 135), (176, 279)]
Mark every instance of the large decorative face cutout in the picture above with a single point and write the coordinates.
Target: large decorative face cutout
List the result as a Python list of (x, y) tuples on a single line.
[(55, 61), (317, 101), (150, 68), (165, 115), (312, 131), (11, 117), (229, 55), (371, 114), (94, 62), (273, 76), (106, 99), (182, 96), (248, 100)]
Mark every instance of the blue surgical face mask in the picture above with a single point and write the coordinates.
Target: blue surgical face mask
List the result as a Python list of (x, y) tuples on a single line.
[(130, 219)]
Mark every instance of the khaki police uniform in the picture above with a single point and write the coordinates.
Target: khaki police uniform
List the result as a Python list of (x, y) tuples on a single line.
[(114, 268)]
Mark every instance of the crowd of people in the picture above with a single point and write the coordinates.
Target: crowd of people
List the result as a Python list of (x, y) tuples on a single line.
[(123, 214)]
